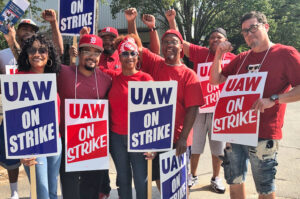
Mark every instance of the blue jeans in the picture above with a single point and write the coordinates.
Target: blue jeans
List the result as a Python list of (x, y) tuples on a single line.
[(47, 172), (263, 164), (127, 164)]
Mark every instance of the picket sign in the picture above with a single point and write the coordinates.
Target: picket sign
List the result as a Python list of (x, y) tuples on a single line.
[(86, 137), (234, 121), (173, 175)]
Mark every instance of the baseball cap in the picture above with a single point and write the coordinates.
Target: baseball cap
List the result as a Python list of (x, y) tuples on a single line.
[(109, 31), (177, 33), (28, 22), (219, 30), (89, 40)]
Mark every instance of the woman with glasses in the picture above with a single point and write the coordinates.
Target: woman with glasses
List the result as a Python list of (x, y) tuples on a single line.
[(127, 164), (38, 55)]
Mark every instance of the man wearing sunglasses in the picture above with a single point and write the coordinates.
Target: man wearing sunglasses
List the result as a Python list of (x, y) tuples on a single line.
[(202, 57), (283, 66), (90, 83), (15, 40)]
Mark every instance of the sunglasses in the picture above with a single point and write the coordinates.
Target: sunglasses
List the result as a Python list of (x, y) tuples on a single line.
[(127, 53), (41, 50), (252, 29)]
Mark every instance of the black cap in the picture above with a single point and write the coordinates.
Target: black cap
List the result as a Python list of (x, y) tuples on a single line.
[(219, 30)]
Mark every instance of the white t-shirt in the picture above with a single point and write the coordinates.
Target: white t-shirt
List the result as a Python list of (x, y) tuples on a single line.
[(6, 58)]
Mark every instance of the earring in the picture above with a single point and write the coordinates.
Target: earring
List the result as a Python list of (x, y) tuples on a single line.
[(27, 62), (49, 63)]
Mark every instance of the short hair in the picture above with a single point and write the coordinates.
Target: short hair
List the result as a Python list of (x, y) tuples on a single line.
[(23, 62), (261, 18), (120, 38)]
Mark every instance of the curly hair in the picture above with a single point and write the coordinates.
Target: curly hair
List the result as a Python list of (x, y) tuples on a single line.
[(23, 62), (120, 38)]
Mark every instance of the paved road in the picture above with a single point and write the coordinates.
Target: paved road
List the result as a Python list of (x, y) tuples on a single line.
[(287, 178)]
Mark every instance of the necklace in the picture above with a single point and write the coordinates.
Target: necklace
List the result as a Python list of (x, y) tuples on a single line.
[(270, 45)]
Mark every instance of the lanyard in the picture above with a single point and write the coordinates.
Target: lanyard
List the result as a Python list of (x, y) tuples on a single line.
[(95, 81)]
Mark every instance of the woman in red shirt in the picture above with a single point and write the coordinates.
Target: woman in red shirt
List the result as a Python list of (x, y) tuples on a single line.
[(127, 163)]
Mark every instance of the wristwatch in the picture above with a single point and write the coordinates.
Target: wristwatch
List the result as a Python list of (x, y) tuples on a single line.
[(275, 98)]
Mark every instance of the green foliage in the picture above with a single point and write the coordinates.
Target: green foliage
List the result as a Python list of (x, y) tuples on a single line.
[(196, 18)]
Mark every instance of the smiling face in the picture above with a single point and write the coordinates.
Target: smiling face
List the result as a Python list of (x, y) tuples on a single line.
[(214, 39), (108, 44), (24, 32), (171, 48), (89, 58), (37, 57), (129, 60)]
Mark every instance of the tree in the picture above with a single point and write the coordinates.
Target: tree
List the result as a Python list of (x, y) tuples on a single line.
[(196, 18)]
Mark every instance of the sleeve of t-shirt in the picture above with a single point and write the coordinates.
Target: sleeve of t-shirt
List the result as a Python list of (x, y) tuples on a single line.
[(232, 67), (192, 92), (150, 60), (197, 53), (293, 66)]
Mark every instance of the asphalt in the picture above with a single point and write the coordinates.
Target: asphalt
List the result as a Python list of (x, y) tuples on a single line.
[(287, 177)]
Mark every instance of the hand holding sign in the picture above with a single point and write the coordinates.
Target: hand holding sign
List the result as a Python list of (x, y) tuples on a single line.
[(29, 161), (85, 30), (262, 104), (49, 15)]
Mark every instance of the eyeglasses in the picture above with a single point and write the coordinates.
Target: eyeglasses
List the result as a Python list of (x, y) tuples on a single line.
[(253, 28), (41, 50), (127, 53), (89, 53), (170, 42)]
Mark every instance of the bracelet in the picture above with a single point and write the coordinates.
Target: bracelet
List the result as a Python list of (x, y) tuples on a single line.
[(153, 29)]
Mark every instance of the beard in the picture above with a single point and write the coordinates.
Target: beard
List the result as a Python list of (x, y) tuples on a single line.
[(89, 68)]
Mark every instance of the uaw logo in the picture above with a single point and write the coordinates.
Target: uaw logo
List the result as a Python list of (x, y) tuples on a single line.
[(107, 29), (93, 40)]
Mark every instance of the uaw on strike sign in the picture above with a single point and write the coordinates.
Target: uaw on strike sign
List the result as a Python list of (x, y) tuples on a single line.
[(210, 92), (173, 175), (151, 115), (75, 14), (30, 115), (234, 120), (86, 137)]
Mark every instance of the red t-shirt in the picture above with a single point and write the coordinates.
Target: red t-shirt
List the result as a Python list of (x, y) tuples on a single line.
[(85, 87), (188, 91), (202, 55), (283, 66), (118, 101), (110, 64), (58, 98)]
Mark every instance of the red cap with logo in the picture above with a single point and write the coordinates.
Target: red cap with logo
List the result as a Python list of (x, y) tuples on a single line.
[(177, 33), (108, 31), (88, 40)]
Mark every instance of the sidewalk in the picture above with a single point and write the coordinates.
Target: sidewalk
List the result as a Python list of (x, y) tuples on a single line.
[(287, 178)]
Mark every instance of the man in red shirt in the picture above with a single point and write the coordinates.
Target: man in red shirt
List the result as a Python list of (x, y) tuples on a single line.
[(283, 66), (170, 67), (202, 57), (109, 60)]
